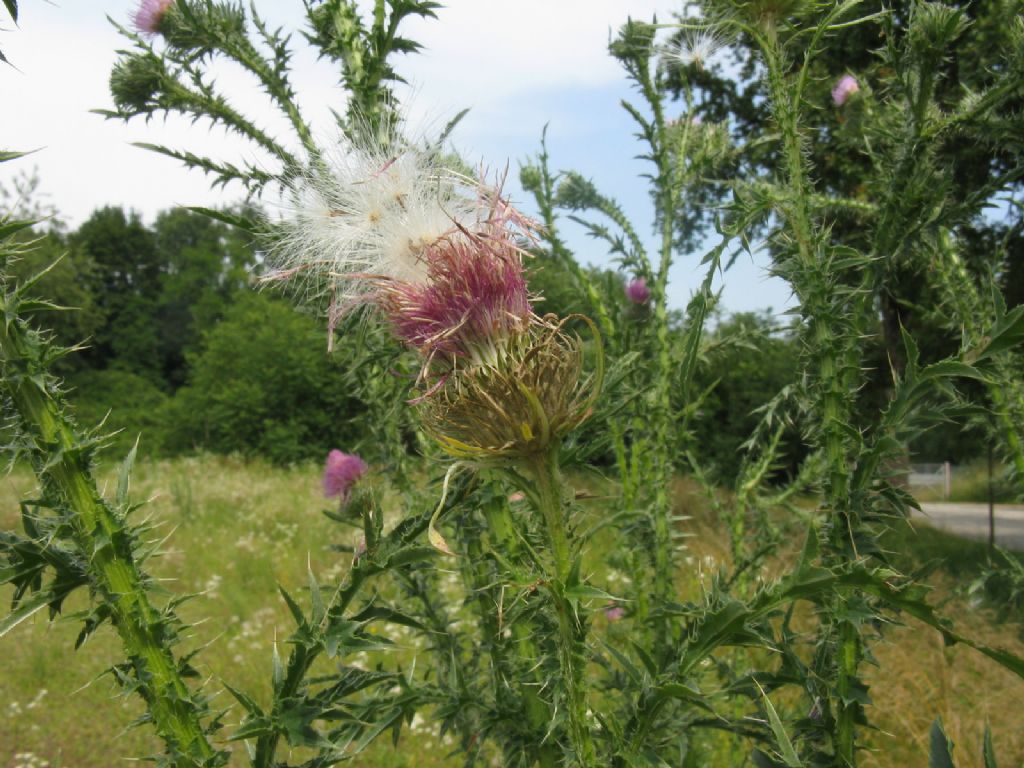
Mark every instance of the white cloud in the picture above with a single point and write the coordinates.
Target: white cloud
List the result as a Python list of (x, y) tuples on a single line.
[(494, 49)]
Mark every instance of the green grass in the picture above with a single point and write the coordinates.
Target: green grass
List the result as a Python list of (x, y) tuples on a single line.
[(236, 530)]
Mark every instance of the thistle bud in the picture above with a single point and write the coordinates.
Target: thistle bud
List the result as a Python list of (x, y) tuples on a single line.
[(845, 87), (637, 291), (150, 15), (519, 408), (341, 473)]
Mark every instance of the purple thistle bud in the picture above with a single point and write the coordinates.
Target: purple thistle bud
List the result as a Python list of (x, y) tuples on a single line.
[(342, 472), (845, 87), (149, 14), (637, 291), (614, 612)]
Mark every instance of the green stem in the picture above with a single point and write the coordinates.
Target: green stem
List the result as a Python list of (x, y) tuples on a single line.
[(549, 498), (832, 342), (107, 543), (848, 661)]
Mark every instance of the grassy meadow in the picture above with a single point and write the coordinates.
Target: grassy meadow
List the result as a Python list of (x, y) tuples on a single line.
[(235, 530)]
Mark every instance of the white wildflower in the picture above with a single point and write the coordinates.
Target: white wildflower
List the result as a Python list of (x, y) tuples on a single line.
[(38, 699), (212, 585)]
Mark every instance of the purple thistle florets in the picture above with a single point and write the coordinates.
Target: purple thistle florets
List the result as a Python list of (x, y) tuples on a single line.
[(637, 291), (149, 14), (475, 297), (845, 87), (341, 473)]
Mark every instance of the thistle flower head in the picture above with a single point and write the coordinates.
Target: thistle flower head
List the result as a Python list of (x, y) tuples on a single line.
[(637, 291), (150, 14), (694, 48), (441, 257), (845, 87), (341, 473)]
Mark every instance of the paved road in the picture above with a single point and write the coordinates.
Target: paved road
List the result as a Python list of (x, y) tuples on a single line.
[(971, 521)]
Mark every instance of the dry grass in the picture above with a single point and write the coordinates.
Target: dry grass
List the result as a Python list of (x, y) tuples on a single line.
[(239, 529)]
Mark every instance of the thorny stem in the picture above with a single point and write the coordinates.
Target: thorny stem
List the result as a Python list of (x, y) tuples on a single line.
[(549, 499), (811, 282), (102, 536), (538, 712), (302, 657)]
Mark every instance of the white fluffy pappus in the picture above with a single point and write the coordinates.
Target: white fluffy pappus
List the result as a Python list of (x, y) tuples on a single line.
[(366, 213), (694, 47)]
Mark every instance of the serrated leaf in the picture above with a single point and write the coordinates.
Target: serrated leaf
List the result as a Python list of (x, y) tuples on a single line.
[(1007, 333), (245, 223), (375, 730), (296, 610), (683, 692), (245, 700), (951, 369), (252, 728), (411, 555), (6, 155), (631, 669), (296, 719), (378, 612), (9, 228)]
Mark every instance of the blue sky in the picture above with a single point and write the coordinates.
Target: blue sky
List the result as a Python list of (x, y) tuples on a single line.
[(517, 66)]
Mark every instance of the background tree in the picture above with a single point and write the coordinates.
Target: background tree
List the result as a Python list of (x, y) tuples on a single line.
[(929, 174), (203, 264), (126, 286)]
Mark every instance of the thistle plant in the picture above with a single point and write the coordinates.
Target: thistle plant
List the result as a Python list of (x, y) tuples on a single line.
[(491, 566)]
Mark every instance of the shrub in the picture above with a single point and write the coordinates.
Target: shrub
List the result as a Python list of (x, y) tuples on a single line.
[(263, 385)]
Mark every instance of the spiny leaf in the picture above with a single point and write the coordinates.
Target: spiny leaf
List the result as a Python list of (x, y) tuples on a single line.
[(9, 228), (586, 592), (315, 599), (243, 222), (251, 707), (6, 154)]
